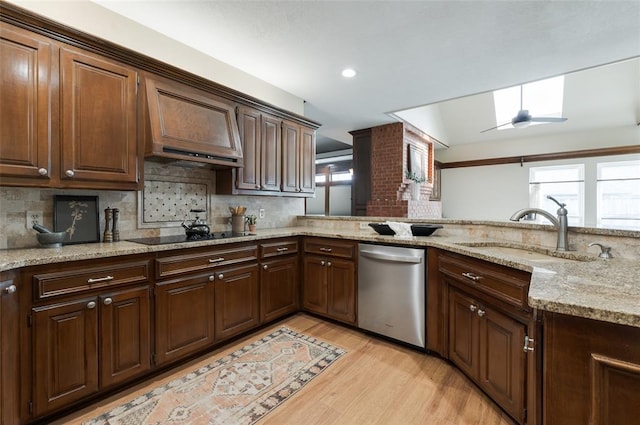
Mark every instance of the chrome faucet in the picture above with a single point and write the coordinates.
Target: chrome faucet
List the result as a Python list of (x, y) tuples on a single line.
[(560, 222)]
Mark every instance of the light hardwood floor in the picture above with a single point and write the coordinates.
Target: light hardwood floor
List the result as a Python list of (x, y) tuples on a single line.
[(376, 382)]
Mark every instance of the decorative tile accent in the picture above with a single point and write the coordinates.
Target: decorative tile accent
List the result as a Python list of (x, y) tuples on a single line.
[(170, 202)]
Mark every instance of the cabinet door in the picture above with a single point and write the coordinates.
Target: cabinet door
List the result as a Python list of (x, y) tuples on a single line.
[(124, 335), (26, 102), (502, 367), (9, 350), (249, 127), (278, 288), (314, 281), (307, 157), (236, 300), (341, 290), (290, 157), (463, 333), (99, 140), (184, 321), (271, 153), (65, 353)]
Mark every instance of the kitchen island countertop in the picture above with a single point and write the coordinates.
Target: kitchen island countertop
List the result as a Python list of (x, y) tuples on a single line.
[(607, 290)]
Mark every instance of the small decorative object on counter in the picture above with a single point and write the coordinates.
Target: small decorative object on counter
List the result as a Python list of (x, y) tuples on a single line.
[(237, 219), (116, 225), (251, 221), (108, 218)]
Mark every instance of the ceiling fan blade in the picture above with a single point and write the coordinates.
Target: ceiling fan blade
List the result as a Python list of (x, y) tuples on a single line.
[(493, 128), (548, 119)]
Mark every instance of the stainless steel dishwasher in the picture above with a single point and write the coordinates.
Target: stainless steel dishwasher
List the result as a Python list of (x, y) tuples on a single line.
[(391, 292)]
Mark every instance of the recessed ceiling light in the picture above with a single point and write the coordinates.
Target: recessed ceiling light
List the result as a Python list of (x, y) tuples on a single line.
[(348, 73)]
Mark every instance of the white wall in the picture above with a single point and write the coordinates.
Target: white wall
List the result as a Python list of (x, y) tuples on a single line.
[(94, 19), (495, 192), (592, 139)]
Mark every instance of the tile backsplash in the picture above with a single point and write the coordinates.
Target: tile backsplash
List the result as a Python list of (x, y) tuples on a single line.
[(169, 193)]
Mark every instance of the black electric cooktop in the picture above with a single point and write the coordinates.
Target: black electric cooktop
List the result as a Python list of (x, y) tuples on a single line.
[(163, 240)]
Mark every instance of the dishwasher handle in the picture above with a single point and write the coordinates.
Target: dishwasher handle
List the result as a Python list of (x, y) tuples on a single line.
[(390, 257)]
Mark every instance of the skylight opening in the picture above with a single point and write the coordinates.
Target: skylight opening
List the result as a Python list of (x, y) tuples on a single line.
[(542, 98)]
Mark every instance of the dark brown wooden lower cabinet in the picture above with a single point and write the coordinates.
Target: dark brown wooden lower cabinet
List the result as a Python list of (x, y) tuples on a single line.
[(236, 300), (487, 346), (184, 316), (125, 335), (65, 353), (591, 372), (9, 343), (278, 288), (87, 344), (329, 287)]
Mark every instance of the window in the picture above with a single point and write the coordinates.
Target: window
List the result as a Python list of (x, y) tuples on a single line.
[(563, 182), (542, 99), (618, 194)]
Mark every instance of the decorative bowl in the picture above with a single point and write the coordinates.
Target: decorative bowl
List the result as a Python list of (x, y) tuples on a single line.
[(51, 240), (416, 229)]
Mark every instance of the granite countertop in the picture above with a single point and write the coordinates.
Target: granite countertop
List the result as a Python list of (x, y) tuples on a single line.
[(593, 288)]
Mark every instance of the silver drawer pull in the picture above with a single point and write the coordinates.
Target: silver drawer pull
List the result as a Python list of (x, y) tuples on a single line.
[(481, 313), (99, 279), (473, 308), (326, 249), (220, 276), (216, 260), (265, 267), (10, 289), (471, 276), (212, 278), (322, 262), (69, 173), (282, 249), (43, 171), (107, 301), (91, 304)]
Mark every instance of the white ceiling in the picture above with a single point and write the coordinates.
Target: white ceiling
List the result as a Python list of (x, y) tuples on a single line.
[(407, 53)]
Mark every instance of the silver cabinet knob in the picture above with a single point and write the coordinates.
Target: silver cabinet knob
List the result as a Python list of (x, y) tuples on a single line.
[(91, 304), (220, 276), (43, 171), (329, 264), (107, 301), (472, 308), (10, 289), (481, 313), (265, 267), (69, 173), (322, 263), (212, 278)]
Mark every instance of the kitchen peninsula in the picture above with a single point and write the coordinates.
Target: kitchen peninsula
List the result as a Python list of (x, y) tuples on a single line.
[(596, 293)]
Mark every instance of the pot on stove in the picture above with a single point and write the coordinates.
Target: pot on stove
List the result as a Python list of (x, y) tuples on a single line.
[(197, 228)]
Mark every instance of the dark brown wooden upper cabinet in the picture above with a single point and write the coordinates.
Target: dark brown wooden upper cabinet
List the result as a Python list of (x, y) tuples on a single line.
[(99, 122), (68, 117), (298, 164), (191, 124), (26, 107)]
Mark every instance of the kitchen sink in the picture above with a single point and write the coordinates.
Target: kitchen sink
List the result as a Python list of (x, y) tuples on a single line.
[(526, 252)]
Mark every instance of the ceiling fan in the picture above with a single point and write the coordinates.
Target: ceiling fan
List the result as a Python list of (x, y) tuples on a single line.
[(524, 119)]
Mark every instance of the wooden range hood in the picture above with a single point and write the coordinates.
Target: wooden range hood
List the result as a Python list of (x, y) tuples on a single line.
[(189, 126)]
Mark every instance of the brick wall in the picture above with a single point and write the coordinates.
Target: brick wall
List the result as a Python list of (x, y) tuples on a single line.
[(390, 190)]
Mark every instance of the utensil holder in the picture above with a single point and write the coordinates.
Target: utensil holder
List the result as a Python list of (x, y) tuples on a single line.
[(237, 224)]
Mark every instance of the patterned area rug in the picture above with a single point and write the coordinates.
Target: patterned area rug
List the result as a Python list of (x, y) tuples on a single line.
[(239, 388)]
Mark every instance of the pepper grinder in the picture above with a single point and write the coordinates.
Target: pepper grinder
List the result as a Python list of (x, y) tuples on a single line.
[(108, 216), (116, 229)]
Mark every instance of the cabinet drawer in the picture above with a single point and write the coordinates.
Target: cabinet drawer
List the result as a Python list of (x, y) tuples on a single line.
[(282, 247), (48, 285), (334, 248), (195, 261), (504, 283)]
